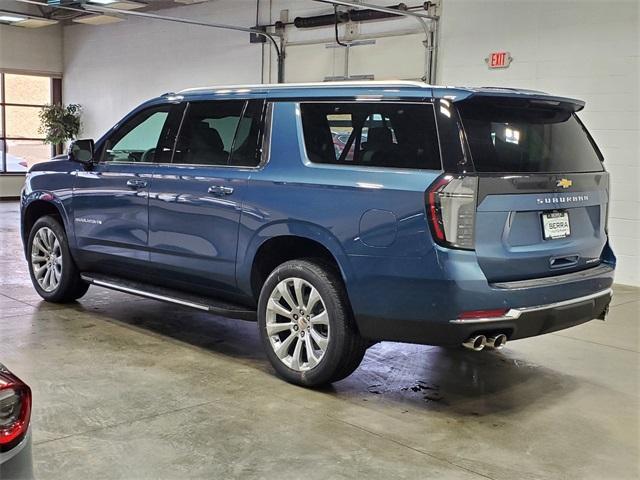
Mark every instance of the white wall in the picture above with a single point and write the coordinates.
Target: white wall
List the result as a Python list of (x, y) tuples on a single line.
[(31, 49), (584, 49), (110, 69)]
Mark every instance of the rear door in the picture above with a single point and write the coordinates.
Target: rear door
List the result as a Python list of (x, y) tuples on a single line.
[(542, 190), (196, 200)]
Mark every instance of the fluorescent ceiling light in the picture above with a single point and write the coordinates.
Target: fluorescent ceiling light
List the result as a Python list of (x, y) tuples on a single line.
[(120, 4), (18, 20), (10, 18), (98, 19)]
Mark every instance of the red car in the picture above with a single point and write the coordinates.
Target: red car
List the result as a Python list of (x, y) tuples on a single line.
[(15, 434)]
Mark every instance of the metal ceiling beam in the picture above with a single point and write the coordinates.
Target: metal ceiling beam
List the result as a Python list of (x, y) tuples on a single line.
[(95, 8)]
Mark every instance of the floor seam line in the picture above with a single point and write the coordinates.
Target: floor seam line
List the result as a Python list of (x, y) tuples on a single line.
[(623, 303), (124, 422), (596, 343), (417, 450)]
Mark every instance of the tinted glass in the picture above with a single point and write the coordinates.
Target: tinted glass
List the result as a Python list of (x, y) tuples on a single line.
[(207, 132), (246, 146), (394, 135), (137, 139), (526, 138)]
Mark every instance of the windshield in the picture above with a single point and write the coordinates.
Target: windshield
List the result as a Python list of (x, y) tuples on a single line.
[(526, 137)]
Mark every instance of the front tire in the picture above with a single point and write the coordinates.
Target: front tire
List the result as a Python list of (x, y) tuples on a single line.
[(306, 324), (53, 272)]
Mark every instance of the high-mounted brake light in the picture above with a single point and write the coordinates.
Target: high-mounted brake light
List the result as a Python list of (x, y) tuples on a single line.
[(451, 210), (15, 410)]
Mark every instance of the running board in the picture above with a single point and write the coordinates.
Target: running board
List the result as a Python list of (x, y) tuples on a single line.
[(217, 307)]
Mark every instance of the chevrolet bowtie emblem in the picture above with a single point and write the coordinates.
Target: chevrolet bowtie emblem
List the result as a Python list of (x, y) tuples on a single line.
[(564, 183)]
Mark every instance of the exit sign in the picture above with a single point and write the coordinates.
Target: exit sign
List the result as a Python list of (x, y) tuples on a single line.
[(498, 59)]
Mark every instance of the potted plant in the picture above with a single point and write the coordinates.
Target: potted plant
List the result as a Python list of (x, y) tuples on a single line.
[(59, 124)]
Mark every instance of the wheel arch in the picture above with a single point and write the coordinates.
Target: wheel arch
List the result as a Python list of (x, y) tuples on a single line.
[(277, 243), (37, 205)]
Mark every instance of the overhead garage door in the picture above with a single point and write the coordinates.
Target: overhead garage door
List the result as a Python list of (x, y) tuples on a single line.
[(388, 58)]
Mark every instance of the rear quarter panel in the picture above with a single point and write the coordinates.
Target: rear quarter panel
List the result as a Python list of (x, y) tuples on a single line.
[(371, 216)]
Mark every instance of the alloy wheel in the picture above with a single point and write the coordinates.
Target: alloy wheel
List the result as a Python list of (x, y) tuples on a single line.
[(297, 324), (46, 259)]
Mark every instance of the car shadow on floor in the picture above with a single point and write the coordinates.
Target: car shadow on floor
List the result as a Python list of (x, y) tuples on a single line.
[(453, 379)]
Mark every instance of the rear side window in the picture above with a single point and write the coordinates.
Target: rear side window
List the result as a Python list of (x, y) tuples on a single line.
[(220, 132), (524, 137), (394, 135)]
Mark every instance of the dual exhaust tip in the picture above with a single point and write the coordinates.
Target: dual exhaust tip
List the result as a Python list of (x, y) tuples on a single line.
[(480, 342)]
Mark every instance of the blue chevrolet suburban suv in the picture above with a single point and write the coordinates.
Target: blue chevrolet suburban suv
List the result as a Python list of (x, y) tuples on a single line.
[(336, 215)]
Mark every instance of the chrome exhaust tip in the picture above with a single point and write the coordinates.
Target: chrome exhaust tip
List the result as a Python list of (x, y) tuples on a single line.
[(498, 342), (475, 343)]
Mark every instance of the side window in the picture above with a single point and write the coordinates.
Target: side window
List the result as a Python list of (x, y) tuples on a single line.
[(247, 143), (394, 135), (207, 132), (137, 139)]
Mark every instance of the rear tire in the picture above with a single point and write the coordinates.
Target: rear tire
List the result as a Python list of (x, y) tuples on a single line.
[(53, 272), (306, 324)]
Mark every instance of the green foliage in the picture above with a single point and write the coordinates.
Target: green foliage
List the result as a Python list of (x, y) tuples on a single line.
[(59, 123)]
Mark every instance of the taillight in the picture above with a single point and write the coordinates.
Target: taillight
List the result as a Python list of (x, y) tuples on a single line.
[(15, 410), (451, 210)]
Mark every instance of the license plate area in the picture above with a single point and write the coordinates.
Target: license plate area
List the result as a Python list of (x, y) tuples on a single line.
[(555, 224)]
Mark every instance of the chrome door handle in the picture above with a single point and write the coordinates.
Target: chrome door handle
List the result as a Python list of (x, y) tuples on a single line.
[(136, 183), (220, 190)]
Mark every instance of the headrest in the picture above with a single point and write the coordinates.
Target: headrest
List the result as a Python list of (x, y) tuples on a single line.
[(204, 135), (379, 136)]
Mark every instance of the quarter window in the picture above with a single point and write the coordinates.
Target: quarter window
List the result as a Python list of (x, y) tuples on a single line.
[(394, 135)]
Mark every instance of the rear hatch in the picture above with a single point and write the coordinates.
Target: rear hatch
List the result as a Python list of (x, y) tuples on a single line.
[(542, 192)]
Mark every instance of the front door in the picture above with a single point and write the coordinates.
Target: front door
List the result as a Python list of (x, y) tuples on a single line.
[(110, 200), (196, 200)]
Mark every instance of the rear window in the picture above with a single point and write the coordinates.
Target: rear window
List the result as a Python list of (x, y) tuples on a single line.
[(393, 135), (526, 138)]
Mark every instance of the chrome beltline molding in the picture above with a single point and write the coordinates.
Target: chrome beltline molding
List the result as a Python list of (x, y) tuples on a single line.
[(515, 313)]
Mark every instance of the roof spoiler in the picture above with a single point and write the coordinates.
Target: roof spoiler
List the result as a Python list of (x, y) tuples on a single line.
[(517, 96), (524, 97)]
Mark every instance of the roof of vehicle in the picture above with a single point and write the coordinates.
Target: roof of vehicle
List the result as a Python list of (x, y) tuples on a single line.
[(391, 89)]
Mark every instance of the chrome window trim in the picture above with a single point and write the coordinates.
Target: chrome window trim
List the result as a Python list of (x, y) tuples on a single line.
[(515, 313)]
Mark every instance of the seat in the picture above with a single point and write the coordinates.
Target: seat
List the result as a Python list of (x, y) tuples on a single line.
[(379, 144), (206, 146)]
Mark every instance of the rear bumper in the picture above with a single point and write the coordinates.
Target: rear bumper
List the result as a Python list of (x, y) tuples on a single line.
[(531, 321), (518, 323), (405, 305)]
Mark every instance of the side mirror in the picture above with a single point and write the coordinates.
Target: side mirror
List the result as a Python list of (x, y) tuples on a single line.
[(81, 151)]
